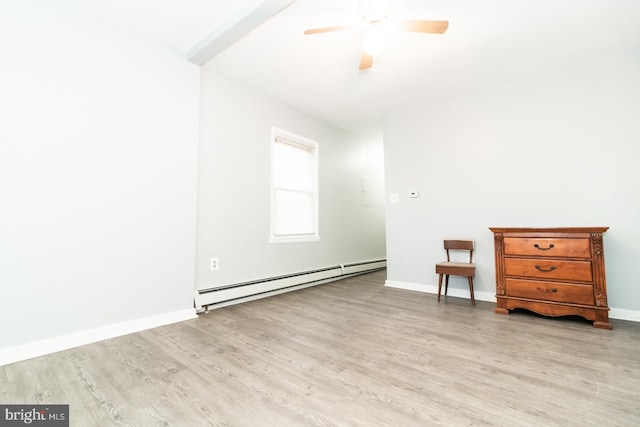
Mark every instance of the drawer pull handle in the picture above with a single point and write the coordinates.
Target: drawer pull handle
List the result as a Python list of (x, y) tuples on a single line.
[(543, 249), (554, 290), (553, 267)]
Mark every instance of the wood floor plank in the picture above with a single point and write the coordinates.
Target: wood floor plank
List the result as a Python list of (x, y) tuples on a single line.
[(347, 353)]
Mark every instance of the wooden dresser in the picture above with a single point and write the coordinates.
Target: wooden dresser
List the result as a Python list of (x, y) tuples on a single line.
[(552, 271)]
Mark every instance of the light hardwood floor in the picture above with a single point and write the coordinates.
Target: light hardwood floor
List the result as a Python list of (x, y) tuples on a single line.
[(347, 353)]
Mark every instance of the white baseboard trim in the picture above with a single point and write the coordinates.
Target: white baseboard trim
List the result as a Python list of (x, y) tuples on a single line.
[(624, 314), (433, 289), (614, 313), (65, 342)]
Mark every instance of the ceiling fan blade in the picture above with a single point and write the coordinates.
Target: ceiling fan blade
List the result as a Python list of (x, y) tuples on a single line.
[(366, 61), (325, 30), (417, 26)]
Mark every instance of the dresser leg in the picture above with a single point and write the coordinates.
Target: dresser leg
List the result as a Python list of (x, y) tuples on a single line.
[(501, 306), (602, 320), (602, 325)]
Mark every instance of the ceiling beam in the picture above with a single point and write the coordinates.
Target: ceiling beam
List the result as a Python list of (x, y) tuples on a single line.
[(234, 29)]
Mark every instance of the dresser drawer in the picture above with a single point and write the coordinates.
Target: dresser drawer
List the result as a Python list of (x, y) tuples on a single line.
[(547, 247), (549, 269), (549, 291)]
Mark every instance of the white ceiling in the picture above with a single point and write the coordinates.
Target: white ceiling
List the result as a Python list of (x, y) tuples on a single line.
[(487, 41)]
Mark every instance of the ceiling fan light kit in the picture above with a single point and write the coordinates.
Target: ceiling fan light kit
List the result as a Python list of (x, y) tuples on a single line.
[(374, 16), (375, 40)]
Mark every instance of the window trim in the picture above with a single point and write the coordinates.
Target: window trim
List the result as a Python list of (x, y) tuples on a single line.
[(314, 147)]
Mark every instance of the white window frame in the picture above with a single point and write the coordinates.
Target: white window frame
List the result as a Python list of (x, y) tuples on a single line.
[(313, 146)]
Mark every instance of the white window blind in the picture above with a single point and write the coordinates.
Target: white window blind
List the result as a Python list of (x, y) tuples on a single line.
[(294, 193)]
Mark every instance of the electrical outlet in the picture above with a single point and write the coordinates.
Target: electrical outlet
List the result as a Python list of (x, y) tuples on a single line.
[(214, 263)]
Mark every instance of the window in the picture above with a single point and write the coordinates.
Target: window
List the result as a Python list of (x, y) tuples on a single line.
[(294, 188)]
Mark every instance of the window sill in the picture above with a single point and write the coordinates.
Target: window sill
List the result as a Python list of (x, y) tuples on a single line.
[(294, 239)]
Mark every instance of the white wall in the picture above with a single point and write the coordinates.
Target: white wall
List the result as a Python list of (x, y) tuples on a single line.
[(98, 157), (559, 148), (234, 189)]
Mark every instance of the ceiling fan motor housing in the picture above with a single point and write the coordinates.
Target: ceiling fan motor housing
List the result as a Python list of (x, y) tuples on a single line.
[(374, 11)]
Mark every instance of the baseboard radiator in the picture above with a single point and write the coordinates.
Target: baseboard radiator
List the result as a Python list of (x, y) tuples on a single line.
[(222, 296)]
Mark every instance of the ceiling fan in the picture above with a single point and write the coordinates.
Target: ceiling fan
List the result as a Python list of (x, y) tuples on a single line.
[(374, 17)]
